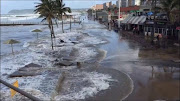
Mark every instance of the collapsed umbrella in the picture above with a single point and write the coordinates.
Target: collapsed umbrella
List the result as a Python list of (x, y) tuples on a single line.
[(37, 30), (11, 41)]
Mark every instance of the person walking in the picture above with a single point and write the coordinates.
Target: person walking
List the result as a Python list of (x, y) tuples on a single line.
[(133, 30)]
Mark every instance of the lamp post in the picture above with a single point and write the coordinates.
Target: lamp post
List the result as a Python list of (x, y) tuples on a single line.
[(95, 8), (70, 21), (119, 2), (154, 20)]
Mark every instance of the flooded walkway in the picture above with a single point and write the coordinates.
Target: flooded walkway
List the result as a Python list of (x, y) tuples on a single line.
[(153, 79)]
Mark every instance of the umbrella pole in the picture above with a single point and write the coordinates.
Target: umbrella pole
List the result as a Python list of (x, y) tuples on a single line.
[(37, 35), (12, 49)]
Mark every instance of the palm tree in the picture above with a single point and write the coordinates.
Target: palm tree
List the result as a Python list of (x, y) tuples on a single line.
[(46, 10), (109, 10), (178, 4), (61, 10), (167, 6)]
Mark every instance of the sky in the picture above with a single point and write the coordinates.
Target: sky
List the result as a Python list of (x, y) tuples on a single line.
[(7, 5)]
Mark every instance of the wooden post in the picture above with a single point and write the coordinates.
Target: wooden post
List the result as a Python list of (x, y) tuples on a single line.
[(144, 30), (12, 49), (37, 35), (70, 23), (74, 20), (79, 64)]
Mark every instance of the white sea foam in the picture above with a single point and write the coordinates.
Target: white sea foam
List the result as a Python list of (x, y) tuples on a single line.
[(97, 81), (26, 44), (12, 63), (93, 40), (39, 52), (86, 53)]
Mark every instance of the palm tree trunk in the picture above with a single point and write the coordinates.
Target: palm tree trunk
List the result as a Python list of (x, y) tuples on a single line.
[(70, 23), (51, 35), (52, 29), (62, 23), (52, 42), (168, 15)]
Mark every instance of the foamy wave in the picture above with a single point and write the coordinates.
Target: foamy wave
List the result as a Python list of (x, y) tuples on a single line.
[(26, 44), (93, 40), (86, 53), (97, 81)]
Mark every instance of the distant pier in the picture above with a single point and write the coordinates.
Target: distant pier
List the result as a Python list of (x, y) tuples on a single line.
[(33, 23)]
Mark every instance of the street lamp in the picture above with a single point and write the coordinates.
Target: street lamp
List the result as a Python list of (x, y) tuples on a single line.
[(119, 2), (95, 7)]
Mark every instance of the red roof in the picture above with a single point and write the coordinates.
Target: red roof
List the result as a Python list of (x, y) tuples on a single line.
[(131, 8)]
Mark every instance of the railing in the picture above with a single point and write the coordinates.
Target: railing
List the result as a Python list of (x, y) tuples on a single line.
[(33, 23), (20, 91)]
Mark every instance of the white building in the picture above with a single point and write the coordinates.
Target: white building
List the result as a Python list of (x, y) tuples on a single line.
[(134, 2), (127, 3), (137, 2)]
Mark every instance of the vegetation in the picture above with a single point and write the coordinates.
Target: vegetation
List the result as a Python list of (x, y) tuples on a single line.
[(50, 11), (46, 10), (167, 6), (61, 10)]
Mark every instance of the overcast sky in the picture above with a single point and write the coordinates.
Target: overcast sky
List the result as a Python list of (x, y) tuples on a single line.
[(7, 5)]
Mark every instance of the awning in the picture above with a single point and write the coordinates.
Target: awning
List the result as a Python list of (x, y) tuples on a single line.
[(139, 19), (130, 20), (135, 19), (142, 20), (125, 20)]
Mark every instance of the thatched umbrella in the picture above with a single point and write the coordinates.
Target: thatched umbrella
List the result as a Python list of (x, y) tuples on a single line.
[(11, 41), (37, 30)]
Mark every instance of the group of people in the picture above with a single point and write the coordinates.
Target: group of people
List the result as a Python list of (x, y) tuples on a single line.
[(113, 23), (136, 30)]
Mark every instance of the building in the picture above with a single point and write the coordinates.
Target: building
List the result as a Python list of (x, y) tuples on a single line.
[(127, 3), (124, 3), (104, 6), (133, 2), (108, 4), (137, 2), (98, 7)]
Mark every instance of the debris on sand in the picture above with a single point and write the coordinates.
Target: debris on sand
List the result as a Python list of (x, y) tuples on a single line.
[(28, 70)]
